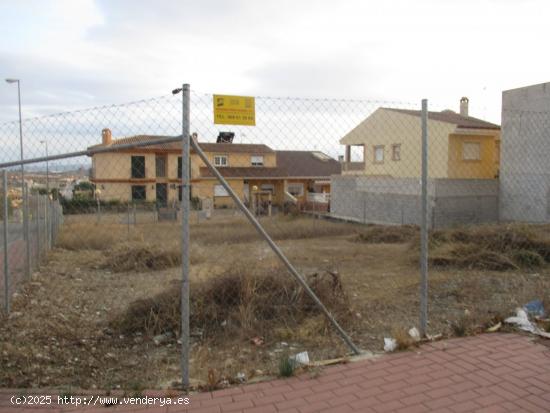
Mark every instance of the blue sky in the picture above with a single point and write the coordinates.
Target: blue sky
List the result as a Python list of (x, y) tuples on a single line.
[(71, 54)]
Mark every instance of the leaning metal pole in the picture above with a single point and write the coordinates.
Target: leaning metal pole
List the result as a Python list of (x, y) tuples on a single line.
[(185, 206), (275, 248), (424, 224)]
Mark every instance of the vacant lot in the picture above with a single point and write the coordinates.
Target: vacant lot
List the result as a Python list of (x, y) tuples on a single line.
[(91, 316)]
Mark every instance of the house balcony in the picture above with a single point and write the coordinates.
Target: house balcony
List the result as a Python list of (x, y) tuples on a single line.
[(353, 168)]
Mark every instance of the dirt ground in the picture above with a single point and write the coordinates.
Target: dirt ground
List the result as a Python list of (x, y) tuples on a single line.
[(60, 333)]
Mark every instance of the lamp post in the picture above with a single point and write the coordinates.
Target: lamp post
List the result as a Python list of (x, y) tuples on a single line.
[(24, 198), (47, 169), (9, 80)]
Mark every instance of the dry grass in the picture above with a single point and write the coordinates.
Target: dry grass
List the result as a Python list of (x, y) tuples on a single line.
[(491, 247), (247, 299), (239, 230), (141, 256), (388, 234), (403, 339), (83, 325), (89, 236)]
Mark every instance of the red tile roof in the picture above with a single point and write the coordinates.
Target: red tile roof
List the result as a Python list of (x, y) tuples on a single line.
[(206, 146), (466, 122), (302, 164)]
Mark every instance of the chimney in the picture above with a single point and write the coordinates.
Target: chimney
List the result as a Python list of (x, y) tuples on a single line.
[(464, 106), (106, 136)]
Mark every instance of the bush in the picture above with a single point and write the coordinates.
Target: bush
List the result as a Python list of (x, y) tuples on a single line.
[(79, 205), (255, 300)]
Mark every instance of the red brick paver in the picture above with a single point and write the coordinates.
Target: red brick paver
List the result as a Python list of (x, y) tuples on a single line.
[(487, 373)]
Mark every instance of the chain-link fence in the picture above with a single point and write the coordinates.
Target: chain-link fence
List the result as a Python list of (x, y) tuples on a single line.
[(309, 236), (30, 225)]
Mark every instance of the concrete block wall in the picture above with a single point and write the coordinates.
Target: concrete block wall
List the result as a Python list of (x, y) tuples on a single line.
[(525, 151), (382, 200)]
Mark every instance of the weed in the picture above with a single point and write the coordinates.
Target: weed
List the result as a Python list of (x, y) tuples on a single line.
[(286, 366)]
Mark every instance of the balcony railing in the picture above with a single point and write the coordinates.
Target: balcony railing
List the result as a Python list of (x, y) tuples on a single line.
[(318, 198), (353, 166)]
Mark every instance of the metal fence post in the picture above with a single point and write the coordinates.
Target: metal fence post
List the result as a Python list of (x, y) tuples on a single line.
[(424, 224), (6, 243), (185, 206), (128, 217), (46, 232), (26, 226), (38, 232)]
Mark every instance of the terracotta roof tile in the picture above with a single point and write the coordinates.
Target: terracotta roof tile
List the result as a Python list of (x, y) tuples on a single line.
[(466, 122), (304, 164), (206, 146)]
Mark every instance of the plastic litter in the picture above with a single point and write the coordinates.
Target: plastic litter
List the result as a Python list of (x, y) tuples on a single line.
[(301, 358), (535, 308), (415, 334), (390, 344), (521, 320)]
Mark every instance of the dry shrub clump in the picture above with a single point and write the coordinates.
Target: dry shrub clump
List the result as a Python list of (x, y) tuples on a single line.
[(491, 247), (140, 256), (388, 234), (251, 300)]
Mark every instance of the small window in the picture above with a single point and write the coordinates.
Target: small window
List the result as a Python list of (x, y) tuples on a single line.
[(220, 160), (160, 166), (396, 152), (471, 151), (138, 167), (257, 160), (219, 190), (379, 154), (268, 188), (296, 189), (139, 193)]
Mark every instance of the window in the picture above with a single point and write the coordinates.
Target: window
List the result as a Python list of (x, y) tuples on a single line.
[(179, 167), (138, 193), (257, 160), (219, 190), (396, 152), (379, 154), (267, 188), (471, 151), (295, 189), (160, 166), (138, 167), (220, 160)]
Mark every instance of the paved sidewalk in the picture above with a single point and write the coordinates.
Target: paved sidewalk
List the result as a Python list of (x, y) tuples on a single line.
[(487, 373)]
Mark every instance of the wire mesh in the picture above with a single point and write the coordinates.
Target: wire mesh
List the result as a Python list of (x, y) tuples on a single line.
[(335, 183)]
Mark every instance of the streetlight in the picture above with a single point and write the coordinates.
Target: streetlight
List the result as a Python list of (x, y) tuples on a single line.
[(47, 169), (9, 80)]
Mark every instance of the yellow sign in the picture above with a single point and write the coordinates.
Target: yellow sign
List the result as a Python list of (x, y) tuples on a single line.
[(234, 110)]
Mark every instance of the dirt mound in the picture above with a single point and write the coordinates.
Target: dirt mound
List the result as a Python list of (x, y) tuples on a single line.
[(140, 256), (491, 247), (241, 299), (388, 234)]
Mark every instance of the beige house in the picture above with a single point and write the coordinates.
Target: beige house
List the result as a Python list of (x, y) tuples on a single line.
[(152, 173), (460, 146)]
